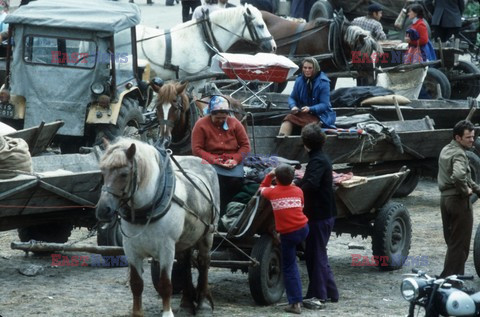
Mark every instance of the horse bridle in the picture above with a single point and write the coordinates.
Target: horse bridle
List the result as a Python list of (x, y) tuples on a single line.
[(125, 196), (252, 30), (178, 106)]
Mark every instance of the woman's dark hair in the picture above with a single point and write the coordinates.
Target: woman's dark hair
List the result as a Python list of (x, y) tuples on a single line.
[(284, 174), (313, 137), (461, 126), (417, 9)]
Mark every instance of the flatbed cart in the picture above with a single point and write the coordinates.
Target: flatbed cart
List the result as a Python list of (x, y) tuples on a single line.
[(364, 208)]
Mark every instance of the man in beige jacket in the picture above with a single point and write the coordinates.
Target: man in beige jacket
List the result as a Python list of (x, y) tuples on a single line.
[(456, 187)]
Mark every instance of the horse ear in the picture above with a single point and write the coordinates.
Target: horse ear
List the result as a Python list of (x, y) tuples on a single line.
[(181, 87), (248, 10), (106, 143), (131, 151)]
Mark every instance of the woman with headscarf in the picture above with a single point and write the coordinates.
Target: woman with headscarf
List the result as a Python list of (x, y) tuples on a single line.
[(221, 140), (310, 99)]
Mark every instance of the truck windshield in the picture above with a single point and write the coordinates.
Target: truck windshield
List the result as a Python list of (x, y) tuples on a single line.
[(59, 51)]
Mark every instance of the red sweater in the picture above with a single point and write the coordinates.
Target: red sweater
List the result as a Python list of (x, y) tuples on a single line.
[(211, 142), (421, 28), (287, 205)]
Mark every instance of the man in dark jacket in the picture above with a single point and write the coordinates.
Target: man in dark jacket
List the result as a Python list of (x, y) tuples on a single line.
[(456, 186), (447, 18), (320, 209)]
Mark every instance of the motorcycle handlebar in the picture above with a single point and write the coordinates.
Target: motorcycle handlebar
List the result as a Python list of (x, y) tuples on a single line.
[(465, 277)]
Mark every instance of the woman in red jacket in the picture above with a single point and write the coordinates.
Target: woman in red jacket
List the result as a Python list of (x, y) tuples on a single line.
[(415, 13)]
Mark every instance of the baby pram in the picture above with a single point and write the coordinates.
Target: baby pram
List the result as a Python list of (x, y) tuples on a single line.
[(262, 68)]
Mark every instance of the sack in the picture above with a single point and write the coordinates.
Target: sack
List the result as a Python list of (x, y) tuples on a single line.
[(413, 55), (14, 156)]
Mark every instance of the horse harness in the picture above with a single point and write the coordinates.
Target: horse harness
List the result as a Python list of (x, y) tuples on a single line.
[(335, 41), (165, 194), (209, 40)]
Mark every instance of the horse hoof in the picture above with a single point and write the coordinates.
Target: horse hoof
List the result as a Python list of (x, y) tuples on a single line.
[(137, 314), (184, 311), (204, 309)]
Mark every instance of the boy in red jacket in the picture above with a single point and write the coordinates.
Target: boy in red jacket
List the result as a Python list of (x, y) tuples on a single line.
[(291, 223)]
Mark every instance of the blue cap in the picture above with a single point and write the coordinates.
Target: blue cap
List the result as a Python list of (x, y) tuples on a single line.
[(375, 7)]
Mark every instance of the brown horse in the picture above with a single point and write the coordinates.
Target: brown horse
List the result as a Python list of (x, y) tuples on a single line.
[(175, 116), (320, 36)]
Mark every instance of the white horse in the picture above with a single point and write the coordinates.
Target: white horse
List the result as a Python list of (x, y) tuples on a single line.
[(181, 51), (163, 215)]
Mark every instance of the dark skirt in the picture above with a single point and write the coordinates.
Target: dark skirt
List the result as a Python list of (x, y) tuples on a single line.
[(301, 119)]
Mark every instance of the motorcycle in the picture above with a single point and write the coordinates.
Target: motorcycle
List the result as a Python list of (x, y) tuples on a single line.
[(439, 296)]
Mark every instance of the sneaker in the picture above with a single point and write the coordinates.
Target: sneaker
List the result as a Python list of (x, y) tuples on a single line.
[(294, 309), (313, 303)]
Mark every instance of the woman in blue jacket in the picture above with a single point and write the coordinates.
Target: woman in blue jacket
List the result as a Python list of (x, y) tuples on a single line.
[(310, 99)]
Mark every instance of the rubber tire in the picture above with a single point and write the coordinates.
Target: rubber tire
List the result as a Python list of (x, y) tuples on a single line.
[(266, 279), (392, 217), (130, 117), (110, 236), (474, 163), (476, 250), (321, 9), (408, 185), (434, 77), (177, 277), (462, 89), (51, 232)]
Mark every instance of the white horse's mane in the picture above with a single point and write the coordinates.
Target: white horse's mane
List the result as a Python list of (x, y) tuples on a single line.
[(114, 157), (352, 34)]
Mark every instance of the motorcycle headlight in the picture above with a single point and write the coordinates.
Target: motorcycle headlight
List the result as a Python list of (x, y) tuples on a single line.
[(97, 88), (409, 289)]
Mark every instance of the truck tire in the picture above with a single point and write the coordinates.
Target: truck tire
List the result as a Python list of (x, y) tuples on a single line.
[(435, 77), (392, 235), (476, 250), (129, 120), (266, 278), (111, 235), (462, 89), (50, 232), (321, 9), (408, 185), (474, 163)]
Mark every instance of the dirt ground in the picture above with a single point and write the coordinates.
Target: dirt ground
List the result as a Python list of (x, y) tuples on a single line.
[(98, 291)]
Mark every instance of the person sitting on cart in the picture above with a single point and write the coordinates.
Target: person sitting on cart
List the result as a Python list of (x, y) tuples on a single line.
[(291, 224), (221, 140), (310, 99), (371, 22)]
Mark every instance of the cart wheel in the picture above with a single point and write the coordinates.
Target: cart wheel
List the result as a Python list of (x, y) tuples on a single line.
[(392, 233), (474, 163), (408, 185), (266, 279), (321, 9), (476, 251), (461, 89), (51, 232), (435, 77), (177, 277), (128, 123), (110, 236)]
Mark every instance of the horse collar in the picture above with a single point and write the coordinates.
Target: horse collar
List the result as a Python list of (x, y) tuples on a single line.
[(163, 195)]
